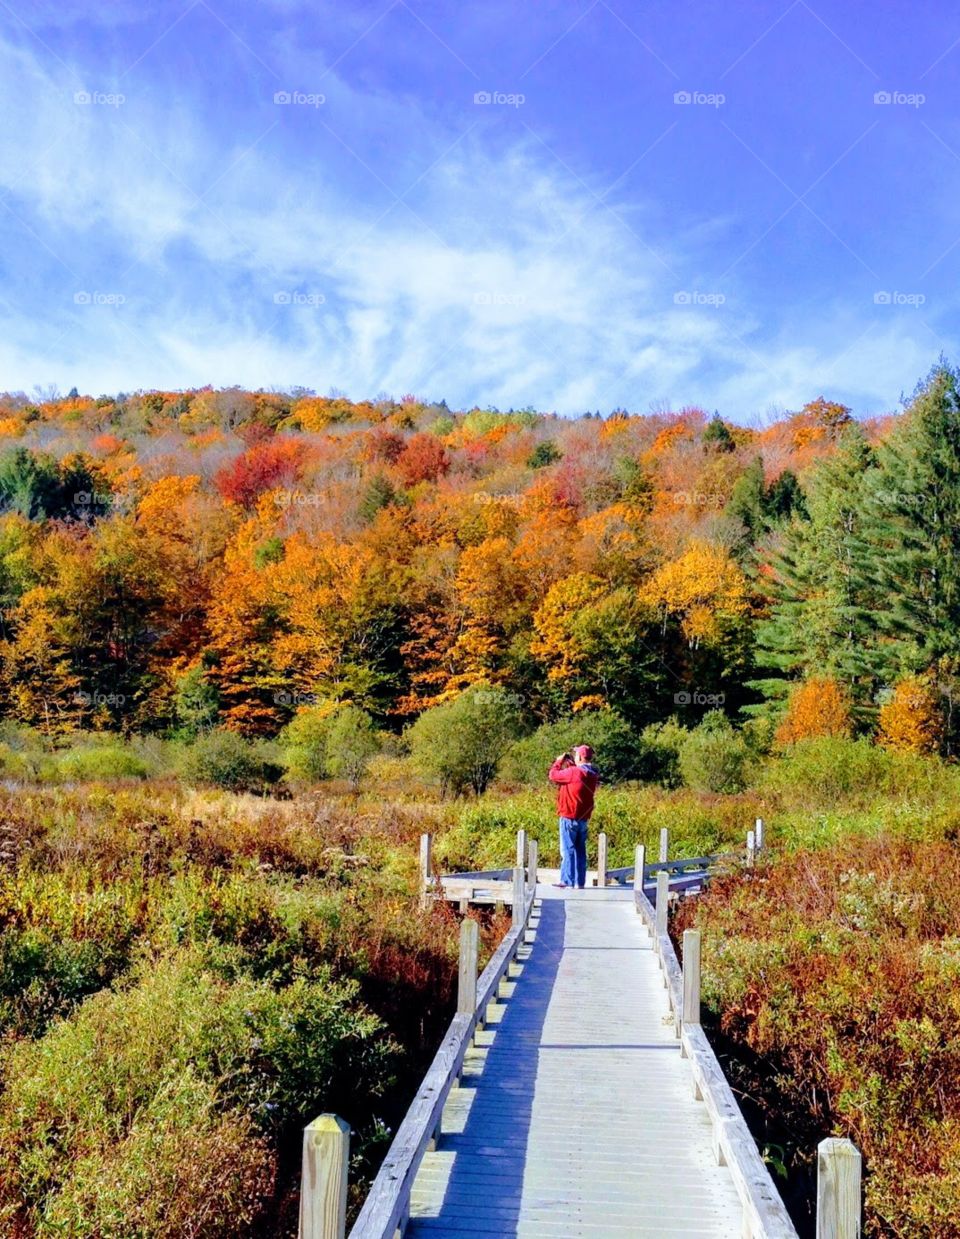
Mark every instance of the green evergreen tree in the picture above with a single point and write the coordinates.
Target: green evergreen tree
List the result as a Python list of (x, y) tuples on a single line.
[(911, 542), (818, 623)]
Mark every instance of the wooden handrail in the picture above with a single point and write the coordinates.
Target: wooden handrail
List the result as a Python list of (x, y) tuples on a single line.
[(764, 1213), (387, 1205)]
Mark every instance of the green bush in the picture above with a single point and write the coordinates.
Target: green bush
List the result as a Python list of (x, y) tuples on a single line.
[(460, 744), (661, 752), (108, 761), (829, 769), (714, 756), (618, 751), (329, 741), (223, 759), (142, 1081)]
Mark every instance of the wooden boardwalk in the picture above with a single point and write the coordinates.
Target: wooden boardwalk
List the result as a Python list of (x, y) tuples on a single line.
[(576, 1114)]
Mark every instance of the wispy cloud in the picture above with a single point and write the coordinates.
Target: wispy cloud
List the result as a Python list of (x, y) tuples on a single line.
[(372, 241)]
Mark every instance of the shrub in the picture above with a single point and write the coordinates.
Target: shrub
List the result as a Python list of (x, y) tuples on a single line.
[(827, 770), (661, 752), (713, 757), (911, 721), (617, 748), (110, 761), (221, 758), (330, 740), (817, 707), (461, 742), (351, 743), (139, 1082)]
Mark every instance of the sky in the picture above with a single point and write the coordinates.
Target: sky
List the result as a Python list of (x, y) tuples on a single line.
[(563, 204)]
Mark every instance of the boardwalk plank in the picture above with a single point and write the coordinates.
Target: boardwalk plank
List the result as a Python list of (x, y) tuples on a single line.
[(577, 1116)]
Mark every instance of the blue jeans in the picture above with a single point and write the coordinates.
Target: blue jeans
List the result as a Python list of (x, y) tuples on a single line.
[(573, 851)]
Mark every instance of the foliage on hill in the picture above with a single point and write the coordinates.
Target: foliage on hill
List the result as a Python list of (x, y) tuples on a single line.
[(177, 561)]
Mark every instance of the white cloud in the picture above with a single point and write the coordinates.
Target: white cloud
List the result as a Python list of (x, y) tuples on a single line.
[(503, 281)]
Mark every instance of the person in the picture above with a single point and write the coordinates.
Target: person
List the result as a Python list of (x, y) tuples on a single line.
[(577, 779)]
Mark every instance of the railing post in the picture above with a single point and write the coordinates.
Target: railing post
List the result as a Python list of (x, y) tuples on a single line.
[(691, 976), (758, 834), (323, 1186), (521, 848), (602, 858), (426, 868), (663, 894), (838, 1190), (467, 977), (639, 863), (664, 843), (751, 848), (533, 853), (519, 895)]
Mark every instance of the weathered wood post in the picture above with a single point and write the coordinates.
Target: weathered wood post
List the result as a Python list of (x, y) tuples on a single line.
[(639, 862), (664, 843), (534, 861), (426, 868), (519, 895), (751, 848), (521, 848), (602, 858), (691, 976), (323, 1186), (838, 1190), (758, 834), (467, 977), (663, 894)]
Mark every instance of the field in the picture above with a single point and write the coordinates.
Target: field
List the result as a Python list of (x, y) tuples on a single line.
[(187, 976)]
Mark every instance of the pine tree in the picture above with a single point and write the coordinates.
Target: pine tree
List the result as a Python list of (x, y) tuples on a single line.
[(911, 542), (818, 621)]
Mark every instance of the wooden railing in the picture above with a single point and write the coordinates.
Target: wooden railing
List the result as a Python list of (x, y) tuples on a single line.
[(386, 1209)]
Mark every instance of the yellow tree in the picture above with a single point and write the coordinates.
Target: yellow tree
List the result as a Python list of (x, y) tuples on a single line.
[(817, 707), (489, 590), (911, 720), (42, 686), (704, 590)]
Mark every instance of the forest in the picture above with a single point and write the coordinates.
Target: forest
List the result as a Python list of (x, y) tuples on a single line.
[(176, 562), (253, 643)]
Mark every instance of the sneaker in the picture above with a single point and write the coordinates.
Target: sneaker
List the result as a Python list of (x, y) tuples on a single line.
[(562, 886)]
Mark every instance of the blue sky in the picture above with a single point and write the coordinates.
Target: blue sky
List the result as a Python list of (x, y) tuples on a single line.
[(570, 204)]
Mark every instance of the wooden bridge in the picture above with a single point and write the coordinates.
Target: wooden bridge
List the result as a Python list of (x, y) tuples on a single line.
[(575, 1093)]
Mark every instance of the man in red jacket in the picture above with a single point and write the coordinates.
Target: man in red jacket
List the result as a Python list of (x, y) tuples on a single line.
[(577, 779)]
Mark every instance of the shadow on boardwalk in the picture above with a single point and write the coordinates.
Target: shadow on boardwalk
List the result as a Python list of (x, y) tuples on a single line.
[(484, 1190)]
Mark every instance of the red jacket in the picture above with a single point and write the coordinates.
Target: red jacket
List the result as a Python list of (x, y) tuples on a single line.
[(575, 789)]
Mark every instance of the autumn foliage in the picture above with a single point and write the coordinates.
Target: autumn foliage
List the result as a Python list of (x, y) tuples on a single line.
[(818, 707), (911, 720)]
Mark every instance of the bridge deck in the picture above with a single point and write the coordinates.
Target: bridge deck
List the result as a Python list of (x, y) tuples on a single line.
[(576, 1113)]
